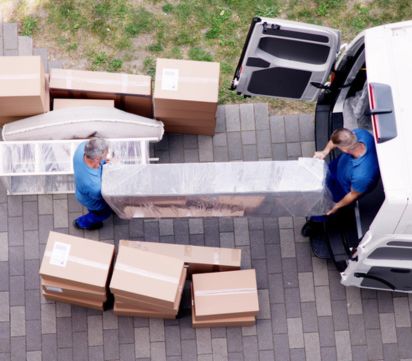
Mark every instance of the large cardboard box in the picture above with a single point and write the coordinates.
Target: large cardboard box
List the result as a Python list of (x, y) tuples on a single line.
[(132, 93), (148, 277), (198, 259), (77, 261), (225, 294), (183, 87), (74, 300), (131, 302), (75, 103), (23, 86)]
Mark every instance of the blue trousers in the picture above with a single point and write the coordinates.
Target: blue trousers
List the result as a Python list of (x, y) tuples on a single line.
[(93, 218), (333, 185)]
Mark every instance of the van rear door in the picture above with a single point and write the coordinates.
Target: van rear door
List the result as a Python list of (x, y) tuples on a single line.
[(285, 59)]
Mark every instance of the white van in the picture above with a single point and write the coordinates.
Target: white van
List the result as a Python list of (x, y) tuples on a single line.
[(364, 84)]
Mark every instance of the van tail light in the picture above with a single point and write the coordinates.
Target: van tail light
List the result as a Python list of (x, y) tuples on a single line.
[(381, 112)]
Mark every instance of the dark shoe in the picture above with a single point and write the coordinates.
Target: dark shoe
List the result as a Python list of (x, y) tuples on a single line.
[(94, 227), (311, 229), (320, 248)]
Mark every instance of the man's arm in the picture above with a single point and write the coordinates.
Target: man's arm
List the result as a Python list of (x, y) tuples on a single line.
[(323, 153), (350, 197)]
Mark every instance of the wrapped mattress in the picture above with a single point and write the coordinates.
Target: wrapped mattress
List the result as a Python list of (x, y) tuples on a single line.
[(267, 188), (82, 123)]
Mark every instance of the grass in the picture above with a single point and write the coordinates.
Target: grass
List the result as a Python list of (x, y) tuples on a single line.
[(128, 35)]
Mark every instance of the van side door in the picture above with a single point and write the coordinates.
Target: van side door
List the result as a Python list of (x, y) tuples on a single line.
[(285, 59)]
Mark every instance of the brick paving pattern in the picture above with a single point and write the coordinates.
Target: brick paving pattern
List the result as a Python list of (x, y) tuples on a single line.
[(305, 313)]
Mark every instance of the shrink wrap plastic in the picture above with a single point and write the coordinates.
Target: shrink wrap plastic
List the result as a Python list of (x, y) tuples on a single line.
[(266, 188)]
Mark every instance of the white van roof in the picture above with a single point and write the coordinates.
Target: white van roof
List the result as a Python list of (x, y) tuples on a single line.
[(388, 53)]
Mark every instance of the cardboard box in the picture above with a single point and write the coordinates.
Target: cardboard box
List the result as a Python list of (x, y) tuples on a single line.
[(188, 129), (188, 91), (132, 93), (148, 277), (198, 259), (23, 86), (8, 119), (138, 304), (67, 290), (74, 103), (184, 114), (120, 310), (186, 84), (223, 321), (130, 302), (75, 301), (225, 294), (77, 261)]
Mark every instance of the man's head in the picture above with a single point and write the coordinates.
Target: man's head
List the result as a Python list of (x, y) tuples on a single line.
[(95, 151), (345, 140)]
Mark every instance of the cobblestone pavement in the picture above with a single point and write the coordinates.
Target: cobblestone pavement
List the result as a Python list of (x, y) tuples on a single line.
[(305, 313)]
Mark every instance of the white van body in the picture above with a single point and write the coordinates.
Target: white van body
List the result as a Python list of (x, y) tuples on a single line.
[(383, 256)]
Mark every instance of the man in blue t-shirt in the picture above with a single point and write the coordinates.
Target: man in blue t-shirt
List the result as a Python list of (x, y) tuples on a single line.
[(353, 173), (88, 165)]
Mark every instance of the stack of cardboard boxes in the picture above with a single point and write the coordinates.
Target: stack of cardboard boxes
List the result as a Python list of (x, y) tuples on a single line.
[(76, 270), (224, 299), (147, 284), (23, 88), (186, 94)]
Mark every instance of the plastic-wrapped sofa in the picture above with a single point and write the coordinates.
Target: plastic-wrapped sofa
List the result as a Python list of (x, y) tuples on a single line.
[(266, 188)]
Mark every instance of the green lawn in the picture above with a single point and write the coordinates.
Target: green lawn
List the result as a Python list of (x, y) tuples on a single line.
[(127, 35)]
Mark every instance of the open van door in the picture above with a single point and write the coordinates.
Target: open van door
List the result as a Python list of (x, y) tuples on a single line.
[(285, 59)]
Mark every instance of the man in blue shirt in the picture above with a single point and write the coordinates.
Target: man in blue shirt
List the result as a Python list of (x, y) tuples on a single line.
[(353, 173), (88, 165)]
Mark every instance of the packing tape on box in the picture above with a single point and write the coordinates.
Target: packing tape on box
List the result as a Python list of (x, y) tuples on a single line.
[(144, 273), (20, 76), (225, 292), (124, 81), (78, 260)]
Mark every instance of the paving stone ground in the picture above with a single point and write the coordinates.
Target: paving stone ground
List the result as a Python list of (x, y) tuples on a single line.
[(305, 313)]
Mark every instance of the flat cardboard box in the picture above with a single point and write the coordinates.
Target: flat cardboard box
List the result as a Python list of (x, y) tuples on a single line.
[(67, 290), (138, 304), (148, 276), (225, 294), (120, 310), (75, 103), (186, 84), (23, 86), (75, 301), (77, 261), (223, 321), (132, 93), (198, 259)]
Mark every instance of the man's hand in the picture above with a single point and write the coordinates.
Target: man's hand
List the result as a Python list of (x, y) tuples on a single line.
[(320, 155), (332, 211)]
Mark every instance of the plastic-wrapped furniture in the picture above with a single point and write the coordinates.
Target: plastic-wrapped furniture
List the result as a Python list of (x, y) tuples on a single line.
[(38, 167), (82, 123), (276, 188)]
